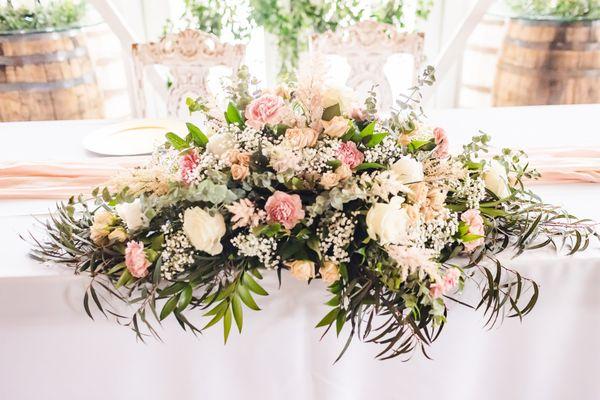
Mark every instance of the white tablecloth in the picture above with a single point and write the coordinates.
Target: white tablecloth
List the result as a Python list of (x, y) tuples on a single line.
[(50, 349)]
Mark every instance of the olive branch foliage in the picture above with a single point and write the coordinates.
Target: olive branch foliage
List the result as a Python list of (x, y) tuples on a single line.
[(370, 301)]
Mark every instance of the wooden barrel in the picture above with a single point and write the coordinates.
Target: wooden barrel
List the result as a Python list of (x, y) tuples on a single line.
[(549, 62), (47, 76)]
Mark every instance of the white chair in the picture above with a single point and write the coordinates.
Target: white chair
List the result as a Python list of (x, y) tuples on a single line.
[(367, 46), (189, 56)]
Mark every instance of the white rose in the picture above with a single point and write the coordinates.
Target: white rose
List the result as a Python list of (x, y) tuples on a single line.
[(132, 214), (220, 144), (388, 222), (302, 269), (337, 94), (407, 170), (204, 230), (496, 180)]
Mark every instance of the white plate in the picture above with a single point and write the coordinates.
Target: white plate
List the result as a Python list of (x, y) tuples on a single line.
[(132, 138)]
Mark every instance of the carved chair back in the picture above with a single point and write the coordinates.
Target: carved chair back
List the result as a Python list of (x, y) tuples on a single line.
[(189, 56), (367, 46)]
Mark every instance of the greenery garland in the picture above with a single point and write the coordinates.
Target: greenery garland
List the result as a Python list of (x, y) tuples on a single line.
[(558, 8), (56, 14)]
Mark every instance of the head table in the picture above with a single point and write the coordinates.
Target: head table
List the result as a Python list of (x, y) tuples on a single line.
[(50, 349)]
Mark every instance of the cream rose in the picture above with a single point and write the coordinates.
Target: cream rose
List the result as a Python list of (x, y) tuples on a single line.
[(337, 127), (301, 269), (220, 144), (103, 221), (337, 94), (132, 214), (330, 272), (388, 222), (329, 180), (496, 180), (343, 172), (204, 230), (407, 170), (300, 138)]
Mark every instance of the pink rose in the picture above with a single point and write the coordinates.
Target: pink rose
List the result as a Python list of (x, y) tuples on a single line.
[(436, 290), (358, 114), (267, 109), (284, 208), (187, 165), (473, 219), (451, 278), (350, 155), (135, 259), (441, 143)]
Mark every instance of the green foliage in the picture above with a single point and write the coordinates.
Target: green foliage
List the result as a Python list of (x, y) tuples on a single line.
[(560, 8), (56, 14)]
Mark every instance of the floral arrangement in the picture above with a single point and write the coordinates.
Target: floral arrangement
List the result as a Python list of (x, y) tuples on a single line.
[(556, 8), (36, 15), (303, 183)]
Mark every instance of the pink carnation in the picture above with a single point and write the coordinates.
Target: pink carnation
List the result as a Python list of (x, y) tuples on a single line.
[(473, 219), (135, 259), (441, 143), (350, 155), (284, 208), (268, 109), (187, 165)]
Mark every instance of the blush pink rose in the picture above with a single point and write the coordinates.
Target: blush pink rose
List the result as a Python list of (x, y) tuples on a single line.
[(187, 165), (348, 154), (451, 278), (436, 290), (473, 219), (441, 143), (284, 208), (268, 109), (135, 259)]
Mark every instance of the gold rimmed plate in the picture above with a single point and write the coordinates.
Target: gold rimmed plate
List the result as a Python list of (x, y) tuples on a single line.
[(131, 138)]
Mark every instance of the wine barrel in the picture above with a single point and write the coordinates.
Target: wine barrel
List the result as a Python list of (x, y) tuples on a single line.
[(548, 62), (47, 76)]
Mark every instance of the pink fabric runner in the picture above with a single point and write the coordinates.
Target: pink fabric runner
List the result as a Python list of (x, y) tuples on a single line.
[(60, 180)]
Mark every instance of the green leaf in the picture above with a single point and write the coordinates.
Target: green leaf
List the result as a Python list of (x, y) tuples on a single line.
[(329, 318), (157, 242), (330, 112), (177, 142), (116, 268), (218, 316), (124, 279), (365, 166), (226, 324), (470, 237), (339, 322), (156, 272), (168, 307), (247, 298), (198, 137), (184, 298), (232, 115), (251, 284), (375, 139), (238, 315), (368, 130)]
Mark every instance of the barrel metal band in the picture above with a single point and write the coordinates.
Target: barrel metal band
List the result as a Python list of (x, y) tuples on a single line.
[(548, 73), (572, 46), (50, 35), (47, 86), (42, 58)]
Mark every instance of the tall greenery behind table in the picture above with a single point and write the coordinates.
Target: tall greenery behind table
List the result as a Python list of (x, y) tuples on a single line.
[(292, 22)]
